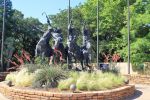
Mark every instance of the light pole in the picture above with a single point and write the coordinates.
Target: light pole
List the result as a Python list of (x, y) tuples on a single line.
[(69, 13), (3, 32), (97, 33), (128, 4), (68, 29)]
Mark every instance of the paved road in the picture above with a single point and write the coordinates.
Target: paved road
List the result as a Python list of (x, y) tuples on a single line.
[(142, 93), (2, 97)]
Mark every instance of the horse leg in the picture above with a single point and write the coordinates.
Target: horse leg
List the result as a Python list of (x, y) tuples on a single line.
[(69, 61), (51, 59), (82, 65), (87, 60)]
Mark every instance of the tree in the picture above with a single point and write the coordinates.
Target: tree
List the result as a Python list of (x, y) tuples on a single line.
[(111, 22), (140, 32), (61, 20), (19, 32)]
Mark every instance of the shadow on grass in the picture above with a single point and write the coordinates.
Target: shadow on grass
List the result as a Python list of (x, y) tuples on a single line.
[(135, 95)]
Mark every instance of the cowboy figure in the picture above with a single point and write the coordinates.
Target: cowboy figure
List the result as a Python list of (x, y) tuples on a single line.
[(86, 37), (57, 37), (71, 36)]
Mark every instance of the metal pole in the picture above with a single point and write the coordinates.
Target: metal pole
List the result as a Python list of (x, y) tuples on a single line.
[(128, 4), (97, 33), (3, 32), (68, 29), (69, 13)]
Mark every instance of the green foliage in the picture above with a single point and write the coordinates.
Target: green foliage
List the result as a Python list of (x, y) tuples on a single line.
[(37, 76), (48, 76), (138, 67), (146, 70), (22, 32), (140, 31), (22, 78), (60, 20), (11, 77), (32, 67), (40, 60), (65, 84), (92, 81), (64, 66), (82, 81), (19, 31)]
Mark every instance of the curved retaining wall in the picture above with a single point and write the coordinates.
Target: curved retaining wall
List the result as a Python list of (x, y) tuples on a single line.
[(139, 79), (20, 94)]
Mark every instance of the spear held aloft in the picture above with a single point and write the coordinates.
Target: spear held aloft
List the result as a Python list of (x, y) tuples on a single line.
[(48, 20)]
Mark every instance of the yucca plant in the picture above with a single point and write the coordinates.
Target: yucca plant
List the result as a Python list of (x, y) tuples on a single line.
[(32, 67), (48, 76)]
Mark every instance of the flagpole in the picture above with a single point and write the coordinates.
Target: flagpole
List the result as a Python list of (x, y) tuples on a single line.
[(68, 29), (128, 4), (97, 33), (3, 32)]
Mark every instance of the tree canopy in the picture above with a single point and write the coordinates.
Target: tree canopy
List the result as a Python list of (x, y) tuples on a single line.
[(23, 32)]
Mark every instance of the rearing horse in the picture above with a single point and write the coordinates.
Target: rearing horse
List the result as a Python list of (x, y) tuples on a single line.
[(77, 52), (74, 51), (58, 46), (43, 48)]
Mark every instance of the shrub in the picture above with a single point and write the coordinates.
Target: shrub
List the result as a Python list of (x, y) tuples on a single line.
[(82, 81), (92, 81), (11, 77), (32, 67), (24, 78), (64, 66), (48, 76), (37, 75), (40, 60), (21, 78), (93, 85), (138, 66), (74, 75), (65, 84)]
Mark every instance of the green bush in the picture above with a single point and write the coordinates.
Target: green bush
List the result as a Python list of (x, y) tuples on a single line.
[(40, 60), (11, 77), (138, 66), (48, 76), (92, 81), (37, 76), (93, 85), (65, 84), (64, 66), (82, 81), (32, 67), (22, 78)]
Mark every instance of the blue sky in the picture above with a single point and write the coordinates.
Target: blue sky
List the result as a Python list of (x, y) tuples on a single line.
[(34, 8)]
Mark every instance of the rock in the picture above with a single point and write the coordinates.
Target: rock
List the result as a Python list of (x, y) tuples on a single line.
[(9, 83), (73, 87), (126, 81)]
